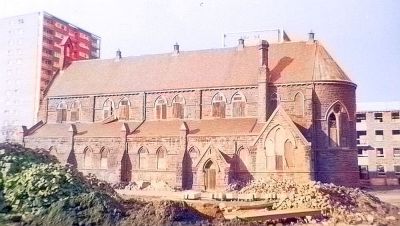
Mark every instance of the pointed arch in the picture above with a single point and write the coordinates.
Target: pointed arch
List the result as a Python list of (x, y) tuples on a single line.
[(87, 158), (299, 104), (338, 120), (104, 152), (161, 107), (218, 105), (123, 108), (238, 104), (244, 159), (61, 112), (108, 108), (178, 106), (289, 154), (194, 153), (75, 111), (280, 138), (53, 150), (161, 158), (143, 158), (333, 105), (270, 154)]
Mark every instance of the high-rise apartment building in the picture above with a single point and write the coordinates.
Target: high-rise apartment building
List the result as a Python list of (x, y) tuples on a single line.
[(378, 142), (33, 49)]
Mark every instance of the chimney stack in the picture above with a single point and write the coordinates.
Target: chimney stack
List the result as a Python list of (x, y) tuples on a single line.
[(118, 55), (176, 49), (263, 47), (311, 38), (240, 44)]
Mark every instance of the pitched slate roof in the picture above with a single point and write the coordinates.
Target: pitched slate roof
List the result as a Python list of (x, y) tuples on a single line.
[(215, 127), (288, 62), (83, 129)]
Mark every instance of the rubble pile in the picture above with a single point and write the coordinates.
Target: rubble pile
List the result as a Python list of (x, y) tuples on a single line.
[(144, 186), (158, 186), (339, 203), (39, 190)]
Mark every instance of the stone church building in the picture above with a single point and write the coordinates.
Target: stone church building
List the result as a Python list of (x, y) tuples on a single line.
[(201, 119)]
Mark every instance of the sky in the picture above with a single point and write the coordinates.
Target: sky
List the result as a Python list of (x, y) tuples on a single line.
[(363, 36)]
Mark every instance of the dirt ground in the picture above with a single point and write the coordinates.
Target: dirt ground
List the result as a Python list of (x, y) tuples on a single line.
[(391, 196)]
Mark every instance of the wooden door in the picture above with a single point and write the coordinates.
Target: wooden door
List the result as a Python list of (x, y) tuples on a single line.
[(210, 178)]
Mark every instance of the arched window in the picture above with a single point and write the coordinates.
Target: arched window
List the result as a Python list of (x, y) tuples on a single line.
[(270, 154), (238, 105), (161, 158), (104, 158), (218, 106), (332, 127), (194, 153), (299, 104), (87, 158), (75, 111), (178, 104), (280, 138), (108, 109), (274, 101), (161, 108), (244, 159), (289, 154), (123, 108), (338, 125), (61, 112), (143, 158)]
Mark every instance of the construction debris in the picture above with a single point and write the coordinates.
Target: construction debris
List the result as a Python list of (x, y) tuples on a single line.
[(153, 185), (339, 203)]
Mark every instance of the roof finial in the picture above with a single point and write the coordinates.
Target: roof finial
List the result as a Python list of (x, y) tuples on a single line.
[(176, 48), (118, 55), (311, 37)]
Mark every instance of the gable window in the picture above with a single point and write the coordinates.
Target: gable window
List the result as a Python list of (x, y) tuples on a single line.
[(161, 108), (218, 106), (289, 154), (238, 105), (75, 110), (378, 117), (123, 109), (61, 112), (178, 104), (108, 109)]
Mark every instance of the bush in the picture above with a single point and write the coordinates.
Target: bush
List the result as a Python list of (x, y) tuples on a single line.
[(34, 189)]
